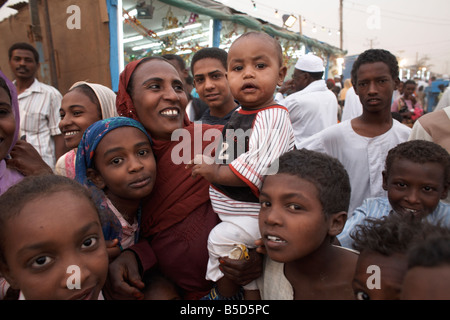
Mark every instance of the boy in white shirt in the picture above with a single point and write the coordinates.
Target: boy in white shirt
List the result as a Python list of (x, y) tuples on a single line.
[(362, 143)]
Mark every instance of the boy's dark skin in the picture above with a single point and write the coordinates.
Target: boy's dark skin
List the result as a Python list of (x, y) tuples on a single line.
[(374, 85), (212, 86)]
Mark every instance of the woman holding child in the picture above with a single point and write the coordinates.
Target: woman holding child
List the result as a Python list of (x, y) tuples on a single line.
[(177, 217)]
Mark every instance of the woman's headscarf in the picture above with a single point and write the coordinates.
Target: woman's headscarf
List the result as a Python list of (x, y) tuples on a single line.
[(106, 97), (10, 177), (85, 160), (15, 108), (176, 194)]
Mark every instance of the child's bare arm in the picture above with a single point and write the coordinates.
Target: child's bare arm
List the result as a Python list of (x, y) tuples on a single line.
[(215, 173)]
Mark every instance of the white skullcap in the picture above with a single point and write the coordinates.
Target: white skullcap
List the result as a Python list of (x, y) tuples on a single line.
[(310, 63)]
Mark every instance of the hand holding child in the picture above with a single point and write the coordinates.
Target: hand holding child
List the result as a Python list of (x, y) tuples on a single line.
[(203, 166)]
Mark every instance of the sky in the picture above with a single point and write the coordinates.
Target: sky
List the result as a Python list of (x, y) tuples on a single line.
[(410, 29)]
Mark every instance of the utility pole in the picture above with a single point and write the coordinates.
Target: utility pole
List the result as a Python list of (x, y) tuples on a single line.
[(341, 23), (371, 42), (300, 25), (51, 54), (36, 36)]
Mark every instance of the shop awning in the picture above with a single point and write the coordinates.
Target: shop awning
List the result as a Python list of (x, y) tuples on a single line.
[(218, 11)]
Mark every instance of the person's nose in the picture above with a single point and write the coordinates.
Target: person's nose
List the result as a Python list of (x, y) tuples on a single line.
[(135, 164), (413, 196), (209, 84), (271, 216)]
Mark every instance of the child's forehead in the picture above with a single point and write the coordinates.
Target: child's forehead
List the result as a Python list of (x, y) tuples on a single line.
[(250, 40), (287, 181), (404, 162), (378, 68)]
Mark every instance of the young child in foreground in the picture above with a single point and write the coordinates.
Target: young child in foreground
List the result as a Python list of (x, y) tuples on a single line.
[(383, 245), (416, 179), (255, 68), (115, 161), (303, 207), (428, 274), (51, 241)]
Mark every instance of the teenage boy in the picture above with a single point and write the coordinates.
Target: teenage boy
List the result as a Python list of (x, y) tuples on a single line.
[(362, 143), (209, 70)]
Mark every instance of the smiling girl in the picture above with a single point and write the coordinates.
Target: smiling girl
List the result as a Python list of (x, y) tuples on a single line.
[(84, 104)]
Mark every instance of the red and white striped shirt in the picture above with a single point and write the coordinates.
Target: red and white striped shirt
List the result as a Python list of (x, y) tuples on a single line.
[(271, 136)]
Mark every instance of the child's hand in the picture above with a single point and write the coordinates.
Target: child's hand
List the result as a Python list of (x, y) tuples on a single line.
[(260, 248), (244, 271), (202, 166), (124, 280), (113, 249)]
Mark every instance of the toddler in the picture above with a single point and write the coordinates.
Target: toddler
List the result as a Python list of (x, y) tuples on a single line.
[(258, 132)]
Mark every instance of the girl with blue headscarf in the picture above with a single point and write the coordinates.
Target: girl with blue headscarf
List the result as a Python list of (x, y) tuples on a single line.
[(115, 161)]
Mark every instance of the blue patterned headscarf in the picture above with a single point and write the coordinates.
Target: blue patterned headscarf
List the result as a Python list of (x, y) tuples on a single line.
[(111, 226)]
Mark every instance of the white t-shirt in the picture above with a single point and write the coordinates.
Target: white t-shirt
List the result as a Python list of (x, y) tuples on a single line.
[(311, 110), (363, 157)]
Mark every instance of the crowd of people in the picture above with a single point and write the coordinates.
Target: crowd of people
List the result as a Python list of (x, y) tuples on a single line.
[(292, 189)]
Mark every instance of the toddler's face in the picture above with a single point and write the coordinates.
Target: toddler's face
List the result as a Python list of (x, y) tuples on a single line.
[(7, 123), (53, 244), (291, 220), (415, 188), (254, 71)]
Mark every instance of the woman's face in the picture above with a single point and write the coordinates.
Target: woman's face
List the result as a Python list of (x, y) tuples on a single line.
[(159, 98), (7, 123)]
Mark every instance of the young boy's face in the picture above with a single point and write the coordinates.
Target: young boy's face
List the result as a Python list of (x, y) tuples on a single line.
[(415, 188), (427, 283), (379, 277), (211, 84), (374, 86), (254, 71), (291, 220), (53, 244), (125, 165)]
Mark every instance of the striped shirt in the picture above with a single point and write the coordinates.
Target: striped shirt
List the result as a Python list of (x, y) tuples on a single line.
[(377, 208), (271, 136), (39, 118)]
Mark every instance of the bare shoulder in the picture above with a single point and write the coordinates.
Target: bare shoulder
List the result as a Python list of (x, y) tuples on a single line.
[(347, 257)]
